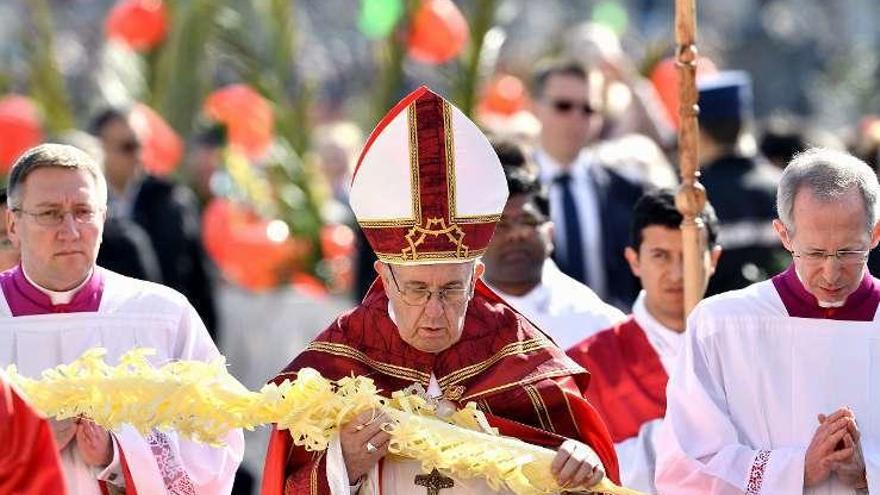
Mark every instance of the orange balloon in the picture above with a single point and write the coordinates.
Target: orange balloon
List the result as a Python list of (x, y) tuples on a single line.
[(247, 116), (20, 129), (250, 250), (438, 32), (504, 95), (140, 24), (664, 78), (162, 147)]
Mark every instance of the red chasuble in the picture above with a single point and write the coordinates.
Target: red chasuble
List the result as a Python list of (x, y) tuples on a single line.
[(29, 463), (627, 380), (524, 383)]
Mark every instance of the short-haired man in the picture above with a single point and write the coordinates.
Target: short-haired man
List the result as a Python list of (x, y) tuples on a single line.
[(519, 267), (776, 390), (590, 204), (630, 362), (427, 191), (742, 185), (167, 212), (58, 303)]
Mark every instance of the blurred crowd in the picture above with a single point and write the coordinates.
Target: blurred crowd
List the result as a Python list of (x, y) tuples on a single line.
[(591, 123)]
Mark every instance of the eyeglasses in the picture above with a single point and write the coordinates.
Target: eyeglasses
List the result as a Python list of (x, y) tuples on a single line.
[(448, 296), (55, 217), (845, 257), (566, 106)]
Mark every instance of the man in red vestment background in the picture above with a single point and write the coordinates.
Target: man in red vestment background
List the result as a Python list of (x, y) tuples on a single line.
[(631, 361), (29, 463), (428, 191)]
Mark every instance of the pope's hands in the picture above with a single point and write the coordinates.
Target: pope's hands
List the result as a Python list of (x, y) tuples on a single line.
[(571, 467), (363, 443)]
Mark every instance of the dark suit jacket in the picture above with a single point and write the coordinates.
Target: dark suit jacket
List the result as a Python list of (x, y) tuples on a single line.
[(169, 214), (743, 192), (616, 197), (126, 249)]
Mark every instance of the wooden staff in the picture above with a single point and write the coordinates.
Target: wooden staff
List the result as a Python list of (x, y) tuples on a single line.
[(691, 196)]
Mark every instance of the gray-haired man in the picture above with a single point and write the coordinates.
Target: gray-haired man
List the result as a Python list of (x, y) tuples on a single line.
[(777, 389)]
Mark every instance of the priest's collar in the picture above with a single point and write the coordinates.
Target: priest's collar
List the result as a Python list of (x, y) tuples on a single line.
[(57, 297), (27, 298), (861, 305)]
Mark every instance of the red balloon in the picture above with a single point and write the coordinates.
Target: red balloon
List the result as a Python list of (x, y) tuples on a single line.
[(247, 116), (308, 285), (664, 77), (438, 32), (337, 241), (162, 147), (20, 129), (140, 24), (504, 95), (245, 246)]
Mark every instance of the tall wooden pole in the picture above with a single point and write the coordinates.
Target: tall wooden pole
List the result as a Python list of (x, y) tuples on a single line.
[(691, 196)]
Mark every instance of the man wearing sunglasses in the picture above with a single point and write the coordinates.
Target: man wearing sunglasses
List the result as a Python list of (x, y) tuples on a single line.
[(776, 386), (590, 203), (519, 267), (166, 211), (428, 191)]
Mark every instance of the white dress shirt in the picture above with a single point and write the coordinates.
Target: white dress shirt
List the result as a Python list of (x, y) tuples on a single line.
[(587, 205), (563, 308), (665, 341)]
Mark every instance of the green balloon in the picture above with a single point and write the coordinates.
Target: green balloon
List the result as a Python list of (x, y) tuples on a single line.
[(378, 17), (612, 15)]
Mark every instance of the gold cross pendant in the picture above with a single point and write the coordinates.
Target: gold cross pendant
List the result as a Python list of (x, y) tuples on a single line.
[(434, 482)]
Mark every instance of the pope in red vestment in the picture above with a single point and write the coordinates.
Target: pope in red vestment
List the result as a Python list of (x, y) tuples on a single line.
[(29, 463), (426, 194)]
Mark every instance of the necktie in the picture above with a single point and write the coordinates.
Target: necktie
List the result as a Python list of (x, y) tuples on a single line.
[(573, 240)]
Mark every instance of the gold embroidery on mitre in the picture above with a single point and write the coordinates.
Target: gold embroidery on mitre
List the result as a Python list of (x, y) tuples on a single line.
[(448, 141), (414, 184), (435, 227)]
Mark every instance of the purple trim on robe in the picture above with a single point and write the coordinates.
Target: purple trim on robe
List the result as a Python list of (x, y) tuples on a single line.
[(25, 300), (861, 305)]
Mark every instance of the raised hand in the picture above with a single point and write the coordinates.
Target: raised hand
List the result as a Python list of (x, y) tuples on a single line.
[(822, 453), (851, 470)]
